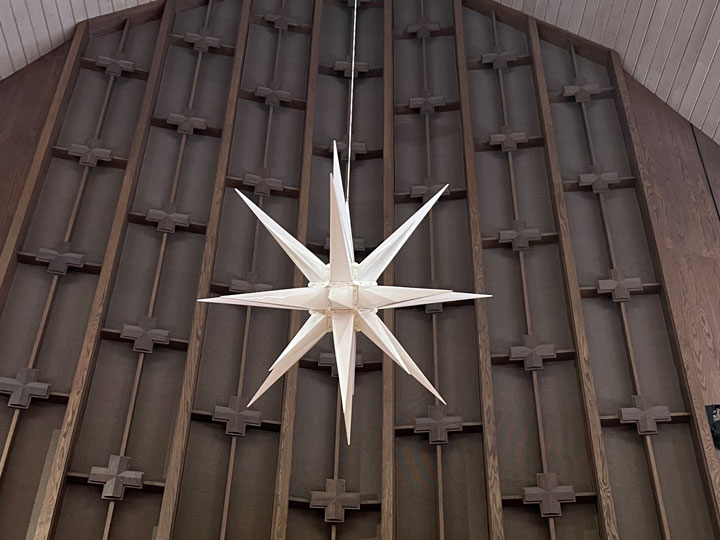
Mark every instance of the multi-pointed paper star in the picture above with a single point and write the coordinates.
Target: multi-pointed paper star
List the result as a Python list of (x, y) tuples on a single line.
[(343, 297)]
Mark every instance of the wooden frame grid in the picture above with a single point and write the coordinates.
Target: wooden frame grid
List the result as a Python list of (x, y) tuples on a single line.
[(500, 507)]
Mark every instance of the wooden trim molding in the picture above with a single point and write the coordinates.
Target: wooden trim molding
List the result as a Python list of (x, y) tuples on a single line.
[(601, 476), (83, 373), (387, 511), (287, 426), (706, 453), (178, 447), (492, 468)]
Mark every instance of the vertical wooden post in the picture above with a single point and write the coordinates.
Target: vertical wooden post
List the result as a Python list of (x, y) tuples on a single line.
[(41, 161), (706, 453), (287, 426), (83, 373), (178, 448), (492, 470), (387, 515), (608, 521)]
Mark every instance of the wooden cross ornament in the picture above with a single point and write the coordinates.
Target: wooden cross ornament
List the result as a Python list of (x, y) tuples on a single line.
[(23, 388), (438, 424), (116, 477), (335, 500), (237, 416), (548, 495)]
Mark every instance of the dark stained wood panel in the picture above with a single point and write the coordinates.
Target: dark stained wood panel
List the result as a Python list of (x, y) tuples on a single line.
[(24, 103)]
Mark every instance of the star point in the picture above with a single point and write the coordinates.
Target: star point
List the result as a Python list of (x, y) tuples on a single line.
[(343, 297)]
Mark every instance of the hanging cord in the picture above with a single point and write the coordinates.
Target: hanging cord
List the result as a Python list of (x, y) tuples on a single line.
[(352, 95)]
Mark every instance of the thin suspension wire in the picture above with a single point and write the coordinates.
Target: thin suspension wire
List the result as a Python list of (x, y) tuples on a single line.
[(352, 96)]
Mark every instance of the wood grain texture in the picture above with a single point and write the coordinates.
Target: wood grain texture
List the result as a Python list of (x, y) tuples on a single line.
[(181, 432), (683, 231), (387, 519), (25, 100), (91, 340), (287, 426), (487, 404), (601, 475)]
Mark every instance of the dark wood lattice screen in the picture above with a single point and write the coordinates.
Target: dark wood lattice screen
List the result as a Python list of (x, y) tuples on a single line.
[(568, 417)]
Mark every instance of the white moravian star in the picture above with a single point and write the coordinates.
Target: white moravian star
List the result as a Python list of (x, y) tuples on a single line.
[(343, 297)]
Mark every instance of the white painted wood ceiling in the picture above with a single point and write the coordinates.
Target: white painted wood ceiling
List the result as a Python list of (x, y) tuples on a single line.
[(671, 46)]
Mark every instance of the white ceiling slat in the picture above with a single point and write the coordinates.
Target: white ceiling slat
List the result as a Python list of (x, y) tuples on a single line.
[(638, 34), (52, 18), (12, 36), (712, 116), (626, 26), (666, 38), (105, 6), (707, 93), (40, 27), (25, 29), (66, 16), (612, 27), (708, 52), (6, 66), (601, 19), (78, 10), (652, 35), (529, 6), (551, 13), (588, 18), (576, 13), (540, 9), (683, 44), (92, 8), (564, 13)]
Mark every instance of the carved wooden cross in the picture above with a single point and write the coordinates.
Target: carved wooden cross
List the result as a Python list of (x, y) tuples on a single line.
[(280, 19), (358, 147), (600, 182), (116, 477), (90, 152), (548, 495), (237, 416), (438, 424), (499, 59), (23, 388), (531, 353), (186, 122), (168, 218), (426, 102), (345, 65), (251, 283), (60, 259), (619, 286), (335, 500), (426, 191), (508, 139), (351, 3), (273, 94), (327, 359), (520, 235), (262, 182), (644, 415), (423, 28), (115, 64), (145, 335), (202, 41), (581, 90)]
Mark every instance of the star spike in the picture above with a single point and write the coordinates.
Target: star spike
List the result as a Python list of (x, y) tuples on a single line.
[(343, 329), (308, 263), (342, 255), (301, 298), (374, 264), (309, 334)]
